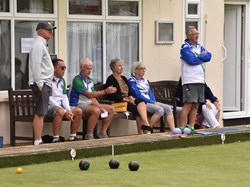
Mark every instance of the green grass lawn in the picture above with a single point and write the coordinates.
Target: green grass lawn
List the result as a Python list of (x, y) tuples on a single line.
[(215, 165)]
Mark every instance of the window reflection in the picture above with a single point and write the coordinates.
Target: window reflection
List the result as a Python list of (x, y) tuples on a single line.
[(122, 42), (4, 6), (123, 8), (85, 41), (35, 6), (5, 55), (85, 7), (192, 23), (193, 9)]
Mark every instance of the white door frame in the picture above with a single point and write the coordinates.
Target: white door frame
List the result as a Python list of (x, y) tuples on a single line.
[(245, 92)]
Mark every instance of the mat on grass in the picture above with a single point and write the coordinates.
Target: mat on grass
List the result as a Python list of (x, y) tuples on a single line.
[(222, 130)]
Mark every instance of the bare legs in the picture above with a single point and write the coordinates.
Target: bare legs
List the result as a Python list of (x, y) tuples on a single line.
[(57, 121), (170, 120), (106, 121), (60, 115), (38, 127), (143, 119), (77, 120), (154, 119), (142, 110), (93, 113), (188, 110)]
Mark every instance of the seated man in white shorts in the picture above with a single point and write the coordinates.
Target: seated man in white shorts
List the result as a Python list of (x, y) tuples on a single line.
[(59, 108), (141, 90)]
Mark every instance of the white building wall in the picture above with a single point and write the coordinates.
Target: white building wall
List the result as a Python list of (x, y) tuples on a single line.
[(162, 61)]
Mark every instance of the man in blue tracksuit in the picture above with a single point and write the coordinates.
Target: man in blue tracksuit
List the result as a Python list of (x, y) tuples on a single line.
[(193, 57)]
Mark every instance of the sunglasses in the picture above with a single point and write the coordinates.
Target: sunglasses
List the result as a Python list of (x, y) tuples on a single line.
[(62, 67)]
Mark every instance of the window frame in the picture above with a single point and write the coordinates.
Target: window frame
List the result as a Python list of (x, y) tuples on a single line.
[(157, 32)]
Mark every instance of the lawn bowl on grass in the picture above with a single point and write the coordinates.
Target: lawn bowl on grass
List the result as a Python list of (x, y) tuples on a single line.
[(114, 164), (133, 166), (84, 165)]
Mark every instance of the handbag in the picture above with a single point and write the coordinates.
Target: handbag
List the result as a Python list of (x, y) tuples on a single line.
[(120, 107)]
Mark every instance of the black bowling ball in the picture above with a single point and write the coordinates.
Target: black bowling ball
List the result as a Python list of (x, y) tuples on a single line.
[(84, 165), (114, 164), (133, 166)]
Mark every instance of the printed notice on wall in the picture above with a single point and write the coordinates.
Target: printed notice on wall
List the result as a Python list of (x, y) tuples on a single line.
[(26, 44)]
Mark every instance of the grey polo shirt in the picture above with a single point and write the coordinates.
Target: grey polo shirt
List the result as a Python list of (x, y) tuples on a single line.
[(40, 65)]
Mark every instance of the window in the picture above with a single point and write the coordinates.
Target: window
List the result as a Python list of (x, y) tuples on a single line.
[(192, 8), (192, 23), (85, 41), (93, 7), (164, 32), (4, 6), (122, 42), (105, 38), (35, 6), (123, 8), (5, 54)]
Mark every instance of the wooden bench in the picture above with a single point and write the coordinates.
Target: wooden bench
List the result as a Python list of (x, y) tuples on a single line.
[(21, 106), (164, 92)]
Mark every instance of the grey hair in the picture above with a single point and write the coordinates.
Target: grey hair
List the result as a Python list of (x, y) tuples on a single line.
[(134, 66), (113, 63), (85, 61), (188, 30)]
